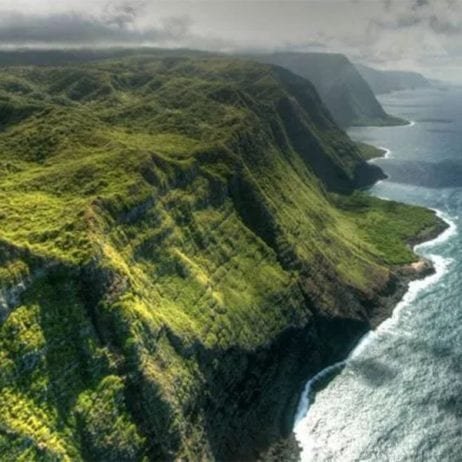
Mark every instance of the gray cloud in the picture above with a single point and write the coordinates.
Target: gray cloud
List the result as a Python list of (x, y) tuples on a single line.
[(114, 26), (442, 17), (412, 34)]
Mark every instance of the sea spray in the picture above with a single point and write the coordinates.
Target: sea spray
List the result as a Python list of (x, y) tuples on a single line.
[(387, 151), (304, 404)]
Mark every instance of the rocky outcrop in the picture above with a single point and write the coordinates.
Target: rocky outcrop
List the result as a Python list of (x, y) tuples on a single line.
[(10, 297), (21, 269)]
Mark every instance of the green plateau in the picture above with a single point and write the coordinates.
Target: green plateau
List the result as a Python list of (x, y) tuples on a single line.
[(183, 241)]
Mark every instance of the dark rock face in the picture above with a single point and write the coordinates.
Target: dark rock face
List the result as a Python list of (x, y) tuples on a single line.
[(368, 174), (267, 382)]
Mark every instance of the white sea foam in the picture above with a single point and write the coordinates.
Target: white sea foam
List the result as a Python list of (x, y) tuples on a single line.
[(441, 266), (410, 124), (300, 417), (450, 231), (387, 154), (305, 398)]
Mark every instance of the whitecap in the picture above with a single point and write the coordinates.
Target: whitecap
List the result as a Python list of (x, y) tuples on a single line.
[(303, 406), (450, 231), (387, 154)]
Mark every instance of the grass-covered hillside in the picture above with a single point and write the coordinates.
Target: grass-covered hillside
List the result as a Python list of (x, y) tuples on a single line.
[(172, 265)]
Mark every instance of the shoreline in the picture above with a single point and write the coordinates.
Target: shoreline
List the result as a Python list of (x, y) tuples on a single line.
[(382, 151), (435, 268), (386, 153), (410, 280), (429, 271)]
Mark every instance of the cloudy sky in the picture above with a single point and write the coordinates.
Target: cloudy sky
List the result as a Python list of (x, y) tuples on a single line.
[(408, 34)]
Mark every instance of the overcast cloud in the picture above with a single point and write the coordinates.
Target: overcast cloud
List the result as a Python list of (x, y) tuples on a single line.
[(415, 34)]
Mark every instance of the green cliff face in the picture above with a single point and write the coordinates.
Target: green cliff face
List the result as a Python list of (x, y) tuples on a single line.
[(342, 88), (382, 81), (173, 266)]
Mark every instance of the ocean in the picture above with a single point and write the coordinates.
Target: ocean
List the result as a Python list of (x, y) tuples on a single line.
[(398, 396)]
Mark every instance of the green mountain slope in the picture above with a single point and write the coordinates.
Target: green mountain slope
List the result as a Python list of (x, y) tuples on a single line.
[(342, 88), (181, 248)]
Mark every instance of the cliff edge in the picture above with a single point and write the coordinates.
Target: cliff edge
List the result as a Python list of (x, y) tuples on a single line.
[(181, 245)]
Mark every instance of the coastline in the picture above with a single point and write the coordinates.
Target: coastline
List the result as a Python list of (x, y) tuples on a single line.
[(435, 268), (423, 270), (386, 153), (405, 275), (429, 272), (404, 285), (406, 282)]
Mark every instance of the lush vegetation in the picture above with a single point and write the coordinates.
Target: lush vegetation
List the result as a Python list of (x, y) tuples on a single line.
[(157, 215), (387, 224)]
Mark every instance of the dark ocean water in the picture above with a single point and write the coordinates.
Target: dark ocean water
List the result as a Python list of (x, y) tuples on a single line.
[(399, 396)]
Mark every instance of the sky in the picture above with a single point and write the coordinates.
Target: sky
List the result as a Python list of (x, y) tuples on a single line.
[(423, 35)]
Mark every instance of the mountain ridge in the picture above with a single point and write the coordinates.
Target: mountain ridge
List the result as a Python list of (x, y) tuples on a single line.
[(184, 245), (343, 90)]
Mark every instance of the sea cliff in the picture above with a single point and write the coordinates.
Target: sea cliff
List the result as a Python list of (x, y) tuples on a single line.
[(191, 246)]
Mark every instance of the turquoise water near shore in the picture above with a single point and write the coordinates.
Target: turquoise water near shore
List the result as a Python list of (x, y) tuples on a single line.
[(398, 397)]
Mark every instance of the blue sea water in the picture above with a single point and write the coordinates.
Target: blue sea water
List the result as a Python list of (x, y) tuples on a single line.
[(399, 394)]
